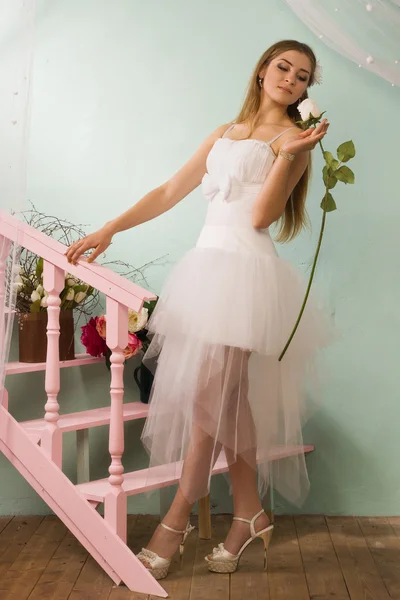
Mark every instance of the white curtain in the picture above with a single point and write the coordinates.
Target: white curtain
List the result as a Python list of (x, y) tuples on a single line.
[(368, 33), (16, 54)]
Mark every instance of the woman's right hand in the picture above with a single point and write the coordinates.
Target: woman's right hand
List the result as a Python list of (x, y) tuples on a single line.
[(99, 241)]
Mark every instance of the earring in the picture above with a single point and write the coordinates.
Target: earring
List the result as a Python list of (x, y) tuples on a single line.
[(260, 81)]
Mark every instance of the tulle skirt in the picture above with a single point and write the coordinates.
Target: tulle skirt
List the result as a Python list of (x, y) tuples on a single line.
[(219, 327)]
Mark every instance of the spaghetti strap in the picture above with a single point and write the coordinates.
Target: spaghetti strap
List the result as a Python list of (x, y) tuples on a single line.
[(279, 134), (229, 128)]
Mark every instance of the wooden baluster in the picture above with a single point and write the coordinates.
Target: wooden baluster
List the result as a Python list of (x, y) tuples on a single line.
[(53, 283), (203, 506), (115, 502), (4, 249)]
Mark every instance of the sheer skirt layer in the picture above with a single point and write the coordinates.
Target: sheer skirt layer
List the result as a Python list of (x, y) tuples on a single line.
[(236, 396)]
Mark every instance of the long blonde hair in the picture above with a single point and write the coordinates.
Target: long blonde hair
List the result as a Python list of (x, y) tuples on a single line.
[(295, 217)]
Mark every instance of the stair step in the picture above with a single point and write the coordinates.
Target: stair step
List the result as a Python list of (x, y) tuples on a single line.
[(137, 482), (85, 419), (79, 360)]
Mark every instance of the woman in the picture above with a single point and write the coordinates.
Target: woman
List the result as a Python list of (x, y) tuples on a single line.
[(227, 310)]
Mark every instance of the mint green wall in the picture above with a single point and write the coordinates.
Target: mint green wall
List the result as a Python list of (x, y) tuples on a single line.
[(123, 94)]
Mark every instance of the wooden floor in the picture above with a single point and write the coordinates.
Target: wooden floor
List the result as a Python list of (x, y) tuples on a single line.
[(323, 558)]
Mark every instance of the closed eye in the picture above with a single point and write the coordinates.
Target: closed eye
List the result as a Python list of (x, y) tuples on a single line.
[(283, 69)]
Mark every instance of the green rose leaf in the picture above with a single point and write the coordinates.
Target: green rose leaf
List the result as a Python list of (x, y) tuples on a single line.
[(328, 204), (35, 307), (329, 177), (80, 288), (332, 162), (345, 175), (150, 306), (39, 268), (346, 151)]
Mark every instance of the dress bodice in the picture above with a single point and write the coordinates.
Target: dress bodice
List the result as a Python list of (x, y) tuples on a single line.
[(236, 171), (237, 168), (236, 161)]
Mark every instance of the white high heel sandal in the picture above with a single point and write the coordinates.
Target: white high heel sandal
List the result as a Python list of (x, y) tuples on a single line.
[(159, 566), (222, 561)]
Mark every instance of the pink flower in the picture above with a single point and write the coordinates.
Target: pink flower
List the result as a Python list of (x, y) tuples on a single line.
[(133, 347), (90, 338), (101, 326)]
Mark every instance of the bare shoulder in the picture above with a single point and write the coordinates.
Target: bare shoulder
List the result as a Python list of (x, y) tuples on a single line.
[(303, 157), (210, 140), (293, 130), (219, 131)]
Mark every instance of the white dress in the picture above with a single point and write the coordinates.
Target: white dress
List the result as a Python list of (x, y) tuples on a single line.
[(222, 319)]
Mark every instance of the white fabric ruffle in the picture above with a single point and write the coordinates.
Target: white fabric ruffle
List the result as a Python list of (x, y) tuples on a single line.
[(220, 324)]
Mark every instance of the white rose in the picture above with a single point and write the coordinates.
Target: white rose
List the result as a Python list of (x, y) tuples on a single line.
[(40, 290), (136, 321), (18, 285), (70, 280), (35, 296), (307, 108), (18, 280), (43, 302), (79, 297), (70, 295)]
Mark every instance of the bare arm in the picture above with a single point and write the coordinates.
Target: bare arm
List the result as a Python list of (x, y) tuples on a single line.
[(170, 193), (154, 203), (278, 186), (285, 175)]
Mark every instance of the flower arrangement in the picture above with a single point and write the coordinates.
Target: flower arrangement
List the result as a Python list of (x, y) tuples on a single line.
[(94, 333), (27, 275), (25, 292), (333, 171), (32, 297)]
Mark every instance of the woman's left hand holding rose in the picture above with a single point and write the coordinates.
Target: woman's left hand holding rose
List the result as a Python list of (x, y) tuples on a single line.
[(307, 139)]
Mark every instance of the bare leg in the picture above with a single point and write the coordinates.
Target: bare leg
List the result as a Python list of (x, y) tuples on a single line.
[(246, 502), (242, 471), (195, 469), (203, 449)]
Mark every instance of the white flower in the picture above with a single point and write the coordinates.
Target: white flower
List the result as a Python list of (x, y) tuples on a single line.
[(136, 321), (40, 289), (70, 280), (43, 302), (307, 108), (79, 297), (70, 294), (18, 280), (18, 285), (35, 296)]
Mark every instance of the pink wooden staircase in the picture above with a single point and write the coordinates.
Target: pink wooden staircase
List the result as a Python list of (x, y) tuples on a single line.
[(35, 447), (41, 465)]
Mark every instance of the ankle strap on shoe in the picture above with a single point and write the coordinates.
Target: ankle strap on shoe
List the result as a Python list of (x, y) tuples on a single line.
[(173, 530), (252, 521)]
